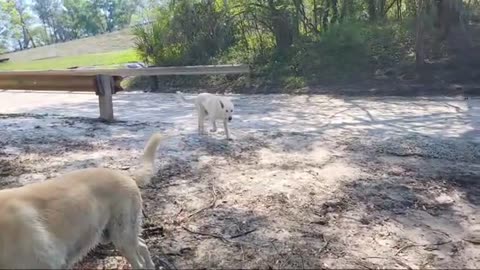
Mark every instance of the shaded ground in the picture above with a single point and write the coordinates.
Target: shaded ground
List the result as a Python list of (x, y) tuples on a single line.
[(308, 182)]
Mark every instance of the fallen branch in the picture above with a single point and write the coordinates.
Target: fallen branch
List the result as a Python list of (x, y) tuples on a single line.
[(206, 234)]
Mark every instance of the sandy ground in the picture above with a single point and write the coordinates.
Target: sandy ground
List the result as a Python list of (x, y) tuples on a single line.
[(308, 182)]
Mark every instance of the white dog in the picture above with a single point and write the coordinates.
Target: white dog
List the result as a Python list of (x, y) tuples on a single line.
[(214, 108), (55, 223)]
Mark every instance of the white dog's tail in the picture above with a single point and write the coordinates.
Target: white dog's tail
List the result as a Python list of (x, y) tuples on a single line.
[(144, 175), (182, 98)]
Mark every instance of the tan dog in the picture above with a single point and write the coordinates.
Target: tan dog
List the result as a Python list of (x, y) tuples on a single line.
[(55, 223)]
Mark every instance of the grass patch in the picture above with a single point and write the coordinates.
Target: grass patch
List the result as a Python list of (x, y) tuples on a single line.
[(100, 59)]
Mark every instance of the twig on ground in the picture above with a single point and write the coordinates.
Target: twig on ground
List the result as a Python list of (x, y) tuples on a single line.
[(303, 261), (402, 263), (339, 112), (420, 245), (152, 230), (324, 246), (399, 262), (206, 234), (366, 264), (179, 212), (243, 256), (211, 205), (243, 233), (221, 237), (275, 247)]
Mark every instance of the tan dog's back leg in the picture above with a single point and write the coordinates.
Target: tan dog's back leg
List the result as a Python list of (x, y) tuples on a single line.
[(124, 230), (145, 253)]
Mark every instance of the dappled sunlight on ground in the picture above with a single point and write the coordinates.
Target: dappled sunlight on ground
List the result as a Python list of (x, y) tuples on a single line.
[(308, 181)]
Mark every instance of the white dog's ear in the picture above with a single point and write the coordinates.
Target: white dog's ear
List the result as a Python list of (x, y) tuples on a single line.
[(221, 104)]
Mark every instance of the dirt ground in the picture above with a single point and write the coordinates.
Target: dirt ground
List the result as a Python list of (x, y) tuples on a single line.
[(308, 182)]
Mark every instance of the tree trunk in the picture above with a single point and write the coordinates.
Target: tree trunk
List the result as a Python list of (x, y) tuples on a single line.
[(315, 15), (452, 28), (372, 10), (382, 12), (283, 33), (419, 37), (296, 19), (325, 15), (334, 6), (399, 10), (27, 37), (344, 10)]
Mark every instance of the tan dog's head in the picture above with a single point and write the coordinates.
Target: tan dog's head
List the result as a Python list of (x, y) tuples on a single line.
[(227, 108)]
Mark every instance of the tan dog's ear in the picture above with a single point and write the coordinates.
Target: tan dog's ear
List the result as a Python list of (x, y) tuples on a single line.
[(221, 104)]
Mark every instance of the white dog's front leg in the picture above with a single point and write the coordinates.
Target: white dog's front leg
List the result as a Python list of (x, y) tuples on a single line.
[(225, 126), (214, 126)]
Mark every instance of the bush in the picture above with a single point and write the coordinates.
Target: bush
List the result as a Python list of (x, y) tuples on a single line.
[(346, 52), (151, 41), (194, 35)]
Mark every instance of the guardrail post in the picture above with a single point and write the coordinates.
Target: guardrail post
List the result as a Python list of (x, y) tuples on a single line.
[(105, 85)]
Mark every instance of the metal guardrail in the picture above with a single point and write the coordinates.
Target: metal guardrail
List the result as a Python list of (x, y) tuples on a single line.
[(103, 82)]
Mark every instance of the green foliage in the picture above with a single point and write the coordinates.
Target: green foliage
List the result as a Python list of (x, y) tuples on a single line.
[(345, 52), (151, 41), (17, 19), (193, 34), (116, 13), (289, 43), (82, 18)]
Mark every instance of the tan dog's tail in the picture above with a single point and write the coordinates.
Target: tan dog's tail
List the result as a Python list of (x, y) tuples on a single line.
[(144, 175), (182, 98)]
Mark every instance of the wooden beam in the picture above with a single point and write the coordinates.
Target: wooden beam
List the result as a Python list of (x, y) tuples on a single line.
[(105, 85), (151, 71)]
